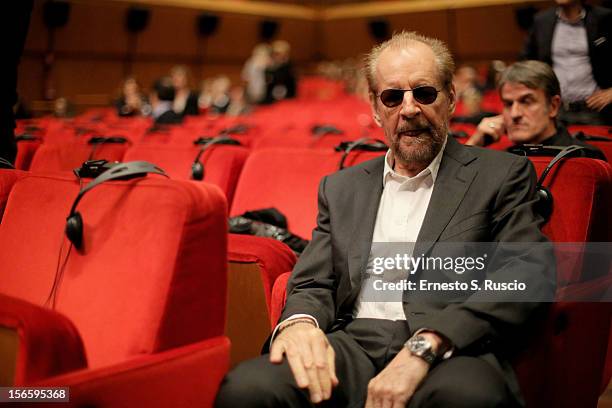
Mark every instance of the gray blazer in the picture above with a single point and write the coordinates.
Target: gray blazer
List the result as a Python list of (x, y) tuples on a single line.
[(479, 196)]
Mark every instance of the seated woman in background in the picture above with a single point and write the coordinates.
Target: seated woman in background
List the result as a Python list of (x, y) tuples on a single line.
[(185, 101), (132, 101)]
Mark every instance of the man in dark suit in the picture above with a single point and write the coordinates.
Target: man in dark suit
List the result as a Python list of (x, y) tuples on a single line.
[(531, 95), (575, 39), (337, 345), (161, 103)]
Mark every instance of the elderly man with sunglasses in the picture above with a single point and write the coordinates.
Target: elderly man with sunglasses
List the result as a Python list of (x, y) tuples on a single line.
[(337, 345)]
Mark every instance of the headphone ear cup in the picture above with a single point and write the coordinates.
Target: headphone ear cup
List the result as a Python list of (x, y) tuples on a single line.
[(197, 171), (74, 229), (544, 205)]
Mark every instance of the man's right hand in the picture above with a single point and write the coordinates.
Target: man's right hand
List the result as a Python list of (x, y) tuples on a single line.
[(310, 356), (491, 128)]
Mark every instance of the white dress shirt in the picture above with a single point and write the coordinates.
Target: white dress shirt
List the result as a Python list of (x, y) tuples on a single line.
[(401, 212)]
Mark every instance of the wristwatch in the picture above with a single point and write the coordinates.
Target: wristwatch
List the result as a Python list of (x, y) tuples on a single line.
[(421, 347)]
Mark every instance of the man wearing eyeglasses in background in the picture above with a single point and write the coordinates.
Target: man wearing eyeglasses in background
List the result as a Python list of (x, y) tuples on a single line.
[(336, 346)]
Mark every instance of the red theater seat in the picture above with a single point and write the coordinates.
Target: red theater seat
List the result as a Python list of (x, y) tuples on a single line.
[(550, 373), (288, 179), (66, 156), (26, 149), (7, 179), (320, 88), (150, 279), (581, 208), (605, 146), (222, 163), (605, 131), (254, 265)]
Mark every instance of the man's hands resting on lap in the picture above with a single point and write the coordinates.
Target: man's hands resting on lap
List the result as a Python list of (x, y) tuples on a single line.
[(310, 356), (312, 362), (395, 385)]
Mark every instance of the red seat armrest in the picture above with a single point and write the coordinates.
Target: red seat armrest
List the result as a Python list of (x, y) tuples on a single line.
[(186, 376), (47, 343)]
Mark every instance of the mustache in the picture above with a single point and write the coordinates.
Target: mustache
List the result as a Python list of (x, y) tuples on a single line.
[(413, 127)]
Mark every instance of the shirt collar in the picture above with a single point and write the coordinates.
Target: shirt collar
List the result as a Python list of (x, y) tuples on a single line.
[(581, 16), (432, 169)]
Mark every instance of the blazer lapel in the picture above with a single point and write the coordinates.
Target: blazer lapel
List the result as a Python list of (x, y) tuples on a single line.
[(453, 180), (363, 217), (590, 24)]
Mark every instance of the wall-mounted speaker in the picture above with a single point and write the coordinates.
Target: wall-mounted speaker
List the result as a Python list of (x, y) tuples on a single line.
[(56, 14), (268, 29), (379, 29), (137, 19), (207, 24)]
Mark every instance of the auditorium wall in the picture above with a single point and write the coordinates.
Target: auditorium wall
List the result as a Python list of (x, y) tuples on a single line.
[(91, 53)]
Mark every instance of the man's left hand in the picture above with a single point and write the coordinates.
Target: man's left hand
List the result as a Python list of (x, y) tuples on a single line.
[(394, 386), (600, 99)]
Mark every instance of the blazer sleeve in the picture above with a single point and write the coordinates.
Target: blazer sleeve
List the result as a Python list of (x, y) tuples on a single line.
[(312, 286), (479, 319)]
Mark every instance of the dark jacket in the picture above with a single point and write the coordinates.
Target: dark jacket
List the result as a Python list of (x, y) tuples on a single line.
[(563, 138), (169, 118), (598, 24), (479, 195), (191, 105)]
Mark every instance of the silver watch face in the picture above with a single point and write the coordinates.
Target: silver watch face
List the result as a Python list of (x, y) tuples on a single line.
[(419, 345)]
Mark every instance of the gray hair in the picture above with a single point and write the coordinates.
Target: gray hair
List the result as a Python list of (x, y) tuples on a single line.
[(532, 74), (444, 59)]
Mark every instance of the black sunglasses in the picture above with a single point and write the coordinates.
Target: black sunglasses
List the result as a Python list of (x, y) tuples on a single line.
[(422, 94)]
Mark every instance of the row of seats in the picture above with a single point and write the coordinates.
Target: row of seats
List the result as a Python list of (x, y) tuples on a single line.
[(141, 306), (223, 164), (283, 177), (117, 272)]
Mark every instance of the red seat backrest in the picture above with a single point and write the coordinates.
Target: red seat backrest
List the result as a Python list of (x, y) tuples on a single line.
[(26, 149), (591, 130), (605, 146), (222, 163), (7, 179), (288, 179), (152, 271), (66, 156), (581, 191)]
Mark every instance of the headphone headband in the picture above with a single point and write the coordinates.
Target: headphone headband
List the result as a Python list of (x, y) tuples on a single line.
[(364, 141), (223, 139), (120, 171), (197, 168), (5, 164), (562, 154)]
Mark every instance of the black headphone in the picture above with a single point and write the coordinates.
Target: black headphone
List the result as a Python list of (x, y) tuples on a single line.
[(197, 168), (544, 205), (325, 129), (124, 171), (365, 144), (5, 164)]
